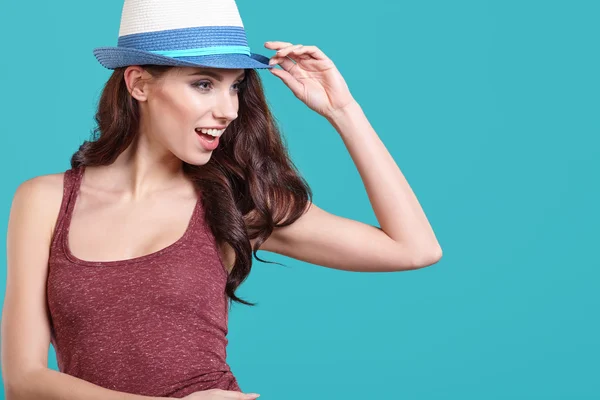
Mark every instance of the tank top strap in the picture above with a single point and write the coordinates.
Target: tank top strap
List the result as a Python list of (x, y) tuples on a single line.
[(198, 228), (201, 237), (71, 182)]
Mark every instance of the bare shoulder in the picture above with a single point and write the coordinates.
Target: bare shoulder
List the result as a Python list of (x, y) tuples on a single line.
[(43, 196)]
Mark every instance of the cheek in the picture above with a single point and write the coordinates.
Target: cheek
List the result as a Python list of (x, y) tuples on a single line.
[(190, 105), (179, 109)]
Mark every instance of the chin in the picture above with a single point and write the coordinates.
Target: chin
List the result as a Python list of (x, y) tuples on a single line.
[(201, 159)]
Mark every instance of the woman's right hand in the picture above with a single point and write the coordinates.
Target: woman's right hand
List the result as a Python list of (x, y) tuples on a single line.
[(218, 394)]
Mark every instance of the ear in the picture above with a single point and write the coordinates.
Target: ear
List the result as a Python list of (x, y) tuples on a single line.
[(135, 79)]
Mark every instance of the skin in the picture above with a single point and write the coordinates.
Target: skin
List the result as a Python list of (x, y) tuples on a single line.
[(172, 107), (146, 183)]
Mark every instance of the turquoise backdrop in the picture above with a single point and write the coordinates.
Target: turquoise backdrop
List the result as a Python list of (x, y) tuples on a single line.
[(490, 109)]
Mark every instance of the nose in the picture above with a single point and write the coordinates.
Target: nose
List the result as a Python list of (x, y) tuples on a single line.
[(226, 107)]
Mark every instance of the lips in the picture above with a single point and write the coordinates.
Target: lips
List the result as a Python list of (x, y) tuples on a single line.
[(211, 131), (206, 135), (209, 142)]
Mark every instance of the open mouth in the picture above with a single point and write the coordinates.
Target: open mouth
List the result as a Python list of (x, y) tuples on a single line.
[(209, 138)]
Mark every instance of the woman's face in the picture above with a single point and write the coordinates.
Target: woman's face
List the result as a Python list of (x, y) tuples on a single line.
[(183, 101)]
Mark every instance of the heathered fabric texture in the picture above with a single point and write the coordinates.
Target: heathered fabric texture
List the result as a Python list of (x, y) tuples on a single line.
[(153, 325)]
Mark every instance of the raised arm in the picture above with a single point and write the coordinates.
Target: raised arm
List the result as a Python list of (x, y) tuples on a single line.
[(405, 239)]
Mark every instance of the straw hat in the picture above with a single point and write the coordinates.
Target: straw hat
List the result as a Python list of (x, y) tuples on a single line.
[(187, 33)]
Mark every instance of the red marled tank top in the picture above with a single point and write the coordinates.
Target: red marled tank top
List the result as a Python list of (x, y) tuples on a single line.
[(153, 325)]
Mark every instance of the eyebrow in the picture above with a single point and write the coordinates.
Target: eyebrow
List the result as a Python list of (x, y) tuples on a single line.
[(215, 75)]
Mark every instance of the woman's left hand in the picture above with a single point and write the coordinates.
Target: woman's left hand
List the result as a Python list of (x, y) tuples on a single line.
[(312, 77)]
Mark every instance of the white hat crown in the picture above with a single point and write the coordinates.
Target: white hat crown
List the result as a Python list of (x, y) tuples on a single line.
[(181, 33), (140, 16)]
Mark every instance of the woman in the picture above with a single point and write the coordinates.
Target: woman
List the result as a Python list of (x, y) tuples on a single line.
[(154, 226)]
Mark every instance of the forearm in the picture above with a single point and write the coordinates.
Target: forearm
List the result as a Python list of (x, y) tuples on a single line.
[(48, 384), (395, 205)]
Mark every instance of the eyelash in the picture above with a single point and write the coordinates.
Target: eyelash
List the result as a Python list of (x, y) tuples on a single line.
[(197, 85)]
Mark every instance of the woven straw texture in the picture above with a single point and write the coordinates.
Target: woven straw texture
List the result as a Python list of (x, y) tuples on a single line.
[(157, 15)]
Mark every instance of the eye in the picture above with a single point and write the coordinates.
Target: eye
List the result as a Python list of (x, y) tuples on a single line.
[(205, 86), (200, 85), (240, 85)]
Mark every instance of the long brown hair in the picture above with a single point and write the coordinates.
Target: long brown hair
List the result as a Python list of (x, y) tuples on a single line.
[(249, 186)]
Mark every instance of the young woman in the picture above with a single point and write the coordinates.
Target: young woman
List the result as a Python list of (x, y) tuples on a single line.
[(128, 261)]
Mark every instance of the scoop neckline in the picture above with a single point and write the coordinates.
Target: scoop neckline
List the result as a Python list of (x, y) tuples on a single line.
[(146, 257)]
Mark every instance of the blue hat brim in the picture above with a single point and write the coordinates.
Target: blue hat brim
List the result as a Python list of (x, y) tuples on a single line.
[(116, 57)]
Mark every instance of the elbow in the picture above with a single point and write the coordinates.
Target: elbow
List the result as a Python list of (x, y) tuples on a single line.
[(14, 387), (10, 391), (10, 386), (429, 258)]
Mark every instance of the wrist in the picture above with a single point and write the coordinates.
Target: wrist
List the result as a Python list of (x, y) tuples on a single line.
[(350, 110)]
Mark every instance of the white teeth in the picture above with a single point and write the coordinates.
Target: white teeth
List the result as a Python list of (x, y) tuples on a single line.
[(212, 132)]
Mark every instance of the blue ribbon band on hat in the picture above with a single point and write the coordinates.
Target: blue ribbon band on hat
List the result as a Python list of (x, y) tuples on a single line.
[(204, 51)]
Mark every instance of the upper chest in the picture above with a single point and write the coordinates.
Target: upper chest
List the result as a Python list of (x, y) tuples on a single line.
[(104, 231), (103, 227)]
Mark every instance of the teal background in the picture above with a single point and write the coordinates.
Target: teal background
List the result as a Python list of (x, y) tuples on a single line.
[(490, 109)]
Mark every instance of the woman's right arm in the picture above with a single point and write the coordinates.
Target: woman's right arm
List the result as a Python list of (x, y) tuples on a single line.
[(25, 324)]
